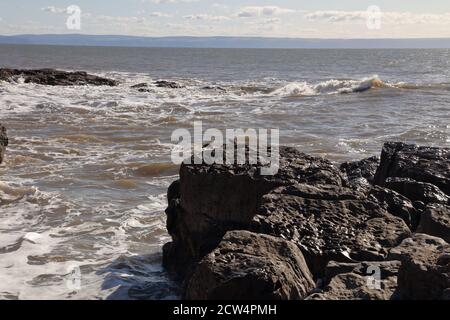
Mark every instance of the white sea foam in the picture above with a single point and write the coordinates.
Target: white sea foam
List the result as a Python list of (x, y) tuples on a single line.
[(328, 87)]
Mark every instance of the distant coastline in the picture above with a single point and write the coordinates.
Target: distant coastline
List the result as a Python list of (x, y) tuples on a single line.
[(223, 42)]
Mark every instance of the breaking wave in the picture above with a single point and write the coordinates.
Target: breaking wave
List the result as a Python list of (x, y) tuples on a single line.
[(330, 87), (333, 86)]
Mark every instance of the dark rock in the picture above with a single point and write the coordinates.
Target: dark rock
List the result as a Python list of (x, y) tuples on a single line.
[(417, 191), (435, 221), (173, 192), (422, 164), (360, 281), (3, 142), (425, 270), (53, 77), (168, 84), (249, 266), (365, 169), (139, 86), (339, 226), (215, 88), (397, 205), (318, 209), (419, 206), (218, 198)]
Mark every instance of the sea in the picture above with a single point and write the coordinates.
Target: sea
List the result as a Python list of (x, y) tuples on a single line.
[(83, 185)]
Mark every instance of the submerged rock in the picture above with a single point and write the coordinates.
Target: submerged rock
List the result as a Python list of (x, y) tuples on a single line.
[(3, 142), (141, 87), (249, 266), (53, 77), (168, 84), (214, 88)]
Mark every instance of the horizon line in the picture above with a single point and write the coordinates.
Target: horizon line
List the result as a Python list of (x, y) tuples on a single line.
[(219, 36)]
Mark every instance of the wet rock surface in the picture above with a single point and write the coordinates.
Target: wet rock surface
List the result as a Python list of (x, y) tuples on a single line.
[(141, 87), (52, 77), (342, 229), (168, 84), (145, 87), (3, 142)]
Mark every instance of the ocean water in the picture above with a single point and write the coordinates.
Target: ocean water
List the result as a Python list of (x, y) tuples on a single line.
[(83, 186)]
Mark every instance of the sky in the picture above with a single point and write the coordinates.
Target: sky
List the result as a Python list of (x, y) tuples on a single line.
[(271, 18)]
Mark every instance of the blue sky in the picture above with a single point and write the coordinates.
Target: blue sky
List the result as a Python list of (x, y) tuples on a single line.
[(281, 18)]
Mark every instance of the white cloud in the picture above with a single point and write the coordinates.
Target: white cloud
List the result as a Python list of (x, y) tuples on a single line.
[(390, 18), (219, 6), (53, 9), (205, 17), (169, 1), (272, 20), (119, 19), (159, 14), (253, 11)]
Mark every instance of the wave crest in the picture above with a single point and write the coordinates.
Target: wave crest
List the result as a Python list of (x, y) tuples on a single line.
[(333, 86)]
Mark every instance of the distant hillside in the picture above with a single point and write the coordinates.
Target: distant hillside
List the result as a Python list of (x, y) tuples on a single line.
[(220, 42)]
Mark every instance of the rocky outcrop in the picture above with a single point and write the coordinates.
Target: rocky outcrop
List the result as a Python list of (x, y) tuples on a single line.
[(422, 164), (208, 201), (3, 142), (310, 205), (425, 270), (435, 221), (417, 191), (251, 266), (364, 169), (53, 77)]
